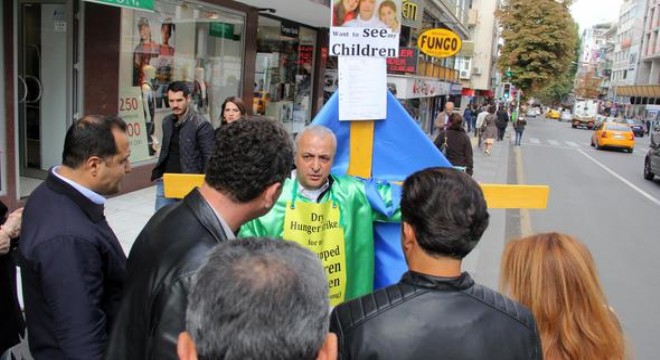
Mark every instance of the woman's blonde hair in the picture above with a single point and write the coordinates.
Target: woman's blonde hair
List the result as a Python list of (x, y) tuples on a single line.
[(554, 275)]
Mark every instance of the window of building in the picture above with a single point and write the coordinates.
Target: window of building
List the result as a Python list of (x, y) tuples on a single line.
[(179, 41), (284, 72)]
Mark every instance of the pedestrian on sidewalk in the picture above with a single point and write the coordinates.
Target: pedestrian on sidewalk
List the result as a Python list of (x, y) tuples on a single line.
[(489, 130), (479, 123), (455, 144), (519, 127), (467, 117), (188, 141), (502, 122)]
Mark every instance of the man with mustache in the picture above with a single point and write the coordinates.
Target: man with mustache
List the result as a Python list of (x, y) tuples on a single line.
[(327, 214), (188, 140)]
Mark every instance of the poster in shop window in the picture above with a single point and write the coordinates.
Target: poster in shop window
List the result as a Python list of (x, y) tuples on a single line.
[(148, 66), (368, 28)]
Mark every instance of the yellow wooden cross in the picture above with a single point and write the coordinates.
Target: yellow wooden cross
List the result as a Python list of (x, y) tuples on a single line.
[(498, 196)]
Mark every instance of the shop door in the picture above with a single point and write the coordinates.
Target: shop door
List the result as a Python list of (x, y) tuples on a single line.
[(43, 87)]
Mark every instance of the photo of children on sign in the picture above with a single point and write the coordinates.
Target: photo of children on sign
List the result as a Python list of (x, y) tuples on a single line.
[(366, 13), (377, 23), (159, 55)]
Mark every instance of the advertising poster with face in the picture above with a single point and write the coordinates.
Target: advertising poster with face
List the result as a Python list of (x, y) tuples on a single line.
[(365, 28), (154, 45), (147, 65)]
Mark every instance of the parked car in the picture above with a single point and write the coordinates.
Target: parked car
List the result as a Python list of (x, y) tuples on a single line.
[(566, 116), (552, 114), (614, 135), (652, 159), (637, 127)]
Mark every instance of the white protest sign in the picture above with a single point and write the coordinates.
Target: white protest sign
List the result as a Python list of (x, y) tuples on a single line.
[(362, 88), (131, 111), (365, 28)]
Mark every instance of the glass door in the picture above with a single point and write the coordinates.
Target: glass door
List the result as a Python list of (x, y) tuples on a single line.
[(43, 86)]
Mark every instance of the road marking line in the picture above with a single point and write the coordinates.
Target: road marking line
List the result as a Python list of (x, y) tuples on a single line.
[(535, 141), (525, 219), (553, 142), (570, 143), (613, 173)]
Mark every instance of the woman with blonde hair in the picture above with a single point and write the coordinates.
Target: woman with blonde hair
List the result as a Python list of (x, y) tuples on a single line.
[(555, 277)]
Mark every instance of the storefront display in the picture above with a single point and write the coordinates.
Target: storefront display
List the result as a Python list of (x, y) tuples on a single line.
[(284, 72), (178, 41)]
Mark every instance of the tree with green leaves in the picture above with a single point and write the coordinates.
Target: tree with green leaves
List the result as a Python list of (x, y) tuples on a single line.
[(540, 39), (558, 90)]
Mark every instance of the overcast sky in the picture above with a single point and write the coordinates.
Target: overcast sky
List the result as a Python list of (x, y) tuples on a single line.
[(591, 12)]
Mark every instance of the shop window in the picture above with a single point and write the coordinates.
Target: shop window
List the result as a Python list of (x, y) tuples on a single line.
[(284, 72), (180, 41)]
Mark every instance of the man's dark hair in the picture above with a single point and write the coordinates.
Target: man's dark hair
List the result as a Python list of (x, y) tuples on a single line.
[(250, 155), (446, 209), (91, 136), (176, 86), (259, 298)]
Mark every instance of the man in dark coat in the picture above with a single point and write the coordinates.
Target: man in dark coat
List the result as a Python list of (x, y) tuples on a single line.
[(243, 181), (188, 140), (435, 311), (502, 122), (72, 265)]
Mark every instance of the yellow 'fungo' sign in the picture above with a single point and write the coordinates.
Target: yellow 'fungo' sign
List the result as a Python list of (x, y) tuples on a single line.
[(439, 42)]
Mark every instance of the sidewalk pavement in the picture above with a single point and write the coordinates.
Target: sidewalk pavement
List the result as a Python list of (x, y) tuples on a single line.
[(128, 213), (483, 263)]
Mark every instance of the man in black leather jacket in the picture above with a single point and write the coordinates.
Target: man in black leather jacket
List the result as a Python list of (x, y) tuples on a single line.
[(435, 311), (188, 141), (243, 181)]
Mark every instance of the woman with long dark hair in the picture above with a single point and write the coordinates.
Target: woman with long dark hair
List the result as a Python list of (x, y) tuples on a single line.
[(455, 143)]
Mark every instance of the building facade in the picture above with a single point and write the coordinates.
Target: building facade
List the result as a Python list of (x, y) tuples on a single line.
[(63, 59), (478, 73)]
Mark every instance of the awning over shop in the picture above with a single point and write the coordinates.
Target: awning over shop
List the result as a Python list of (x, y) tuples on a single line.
[(649, 91), (640, 94)]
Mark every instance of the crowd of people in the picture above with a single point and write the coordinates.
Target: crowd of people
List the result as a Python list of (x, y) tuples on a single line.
[(487, 123), (210, 277)]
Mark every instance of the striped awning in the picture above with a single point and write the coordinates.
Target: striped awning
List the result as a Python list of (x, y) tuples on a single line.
[(647, 91)]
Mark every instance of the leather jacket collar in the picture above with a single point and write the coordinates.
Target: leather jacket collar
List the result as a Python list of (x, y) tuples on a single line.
[(205, 214), (438, 283)]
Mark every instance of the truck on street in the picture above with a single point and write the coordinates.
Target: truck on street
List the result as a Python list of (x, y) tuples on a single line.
[(584, 113)]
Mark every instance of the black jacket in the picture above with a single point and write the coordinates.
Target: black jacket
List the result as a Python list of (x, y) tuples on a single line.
[(427, 317), (72, 270), (459, 148), (196, 144), (502, 119), (160, 269)]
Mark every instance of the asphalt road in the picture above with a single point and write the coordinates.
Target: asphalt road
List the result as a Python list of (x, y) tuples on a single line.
[(600, 197)]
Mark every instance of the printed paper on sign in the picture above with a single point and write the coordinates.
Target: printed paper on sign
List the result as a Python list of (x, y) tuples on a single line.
[(132, 112), (362, 88), (365, 28)]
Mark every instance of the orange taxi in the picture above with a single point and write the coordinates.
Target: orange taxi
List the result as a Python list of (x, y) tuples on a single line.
[(614, 135)]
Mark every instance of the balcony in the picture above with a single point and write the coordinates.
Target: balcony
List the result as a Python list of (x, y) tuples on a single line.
[(429, 69)]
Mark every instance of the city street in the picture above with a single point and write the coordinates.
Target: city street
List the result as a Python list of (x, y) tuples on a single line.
[(600, 197)]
